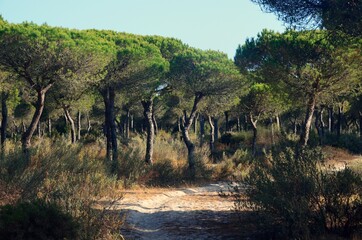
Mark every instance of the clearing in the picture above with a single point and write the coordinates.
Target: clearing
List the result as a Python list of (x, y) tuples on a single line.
[(183, 213)]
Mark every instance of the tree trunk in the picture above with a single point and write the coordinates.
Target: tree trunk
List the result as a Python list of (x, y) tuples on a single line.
[(360, 124), (277, 118), (72, 124), (216, 126), (185, 127), (89, 123), (127, 126), (148, 114), (202, 130), (246, 123), (339, 120), (49, 127), (110, 129), (195, 123), (255, 133), (79, 124), (132, 123), (227, 127), (272, 131), (28, 134), (323, 125), (4, 120), (155, 126), (112, 123), (308, 121), (330, 119), (238, 128), (212, 134), (39, 129), (318, 125)]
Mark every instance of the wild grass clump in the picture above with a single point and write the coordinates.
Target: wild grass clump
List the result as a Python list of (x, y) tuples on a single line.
[(297, 200), (70, 176)]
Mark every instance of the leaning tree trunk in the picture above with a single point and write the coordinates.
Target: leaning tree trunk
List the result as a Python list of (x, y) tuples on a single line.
[(185, 128), (4, 120), (39, 107), (148, 114), (318, 125), (212, 134), (304, 137), (255, 132), (72, 124)]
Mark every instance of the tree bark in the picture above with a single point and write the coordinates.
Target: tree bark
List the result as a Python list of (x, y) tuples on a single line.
[(154, 123), (39, 107), (4, 120), (216, 126), (277, 118), (308, 120), (72, 124), (79, 124), (148, 114), (185, 127), (212, 134), (110, 129)]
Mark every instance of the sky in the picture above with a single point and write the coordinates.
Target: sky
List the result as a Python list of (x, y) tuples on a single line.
[(206, 24)]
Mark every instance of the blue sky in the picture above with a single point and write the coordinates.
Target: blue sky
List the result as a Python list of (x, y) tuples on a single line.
[(206, 24)]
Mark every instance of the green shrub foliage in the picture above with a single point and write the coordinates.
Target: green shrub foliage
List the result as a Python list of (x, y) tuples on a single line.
[(36, 220), (301, 197)]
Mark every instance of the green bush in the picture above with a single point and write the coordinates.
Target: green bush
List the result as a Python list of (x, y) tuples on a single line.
[(36, 220), (74, 177), (298, 199), (351, 142)]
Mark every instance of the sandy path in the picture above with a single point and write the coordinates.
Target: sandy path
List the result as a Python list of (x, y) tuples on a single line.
[(186, 213)]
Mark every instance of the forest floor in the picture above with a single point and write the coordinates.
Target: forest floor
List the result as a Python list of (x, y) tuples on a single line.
[(182, 213)]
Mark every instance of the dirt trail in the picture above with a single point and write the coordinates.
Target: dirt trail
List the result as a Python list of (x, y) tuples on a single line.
[(185, 213)]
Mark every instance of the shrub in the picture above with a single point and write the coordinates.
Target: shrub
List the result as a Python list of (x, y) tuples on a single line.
[(71, 176), (298, 199), (36, 220), (350, 142)]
